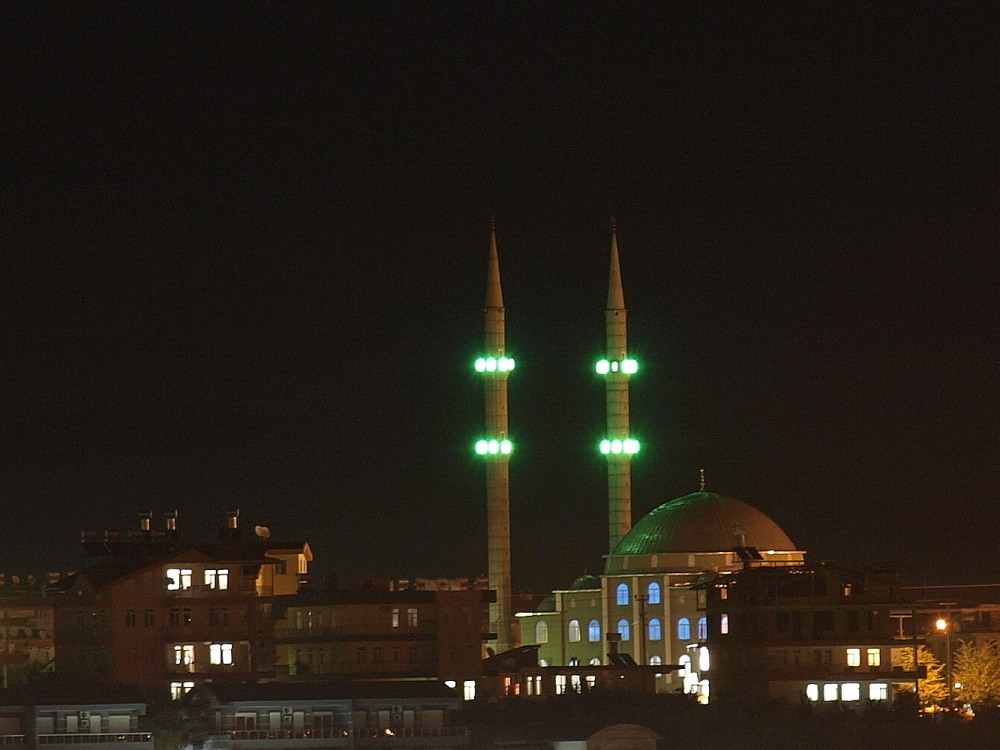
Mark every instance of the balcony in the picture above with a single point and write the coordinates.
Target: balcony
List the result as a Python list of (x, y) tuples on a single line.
[(122, 740)]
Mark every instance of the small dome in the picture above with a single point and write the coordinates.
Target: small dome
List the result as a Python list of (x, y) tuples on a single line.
[(702, 522), (585, 582)]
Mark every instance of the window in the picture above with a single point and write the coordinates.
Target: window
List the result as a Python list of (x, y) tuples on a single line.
[(724, 624), (377, 654), (594, 631), (469, 690), (654, 593), (361, 655), (655, 630), (854, 657), (147, 618), (179, 689), (623, 629), (812, 691), (186, 616), (178, 579), (684, 629), (622, 597), (220, 653), (560, 684), (174, 617), (573, 631), (395, 618), (184, 655), (541, 632), (830, 691), (702, 628), (874, 657), (411, 617), (595, 662), (217, 578), (218, 616), (574, 662), (704, 661), (850, 691), (878, 691), (685, 665), (129, 618), (655, 660)]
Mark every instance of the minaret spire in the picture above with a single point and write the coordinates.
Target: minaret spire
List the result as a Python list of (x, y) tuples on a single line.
[(496, 447), (617, 367)]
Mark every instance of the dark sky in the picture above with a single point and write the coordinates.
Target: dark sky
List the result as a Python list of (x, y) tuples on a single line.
[(244, 254)]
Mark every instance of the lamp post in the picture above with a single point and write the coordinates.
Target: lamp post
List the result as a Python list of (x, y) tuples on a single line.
[(944, 627)]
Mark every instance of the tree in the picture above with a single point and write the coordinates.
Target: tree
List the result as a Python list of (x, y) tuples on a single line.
[(933, 687), (977, 669)]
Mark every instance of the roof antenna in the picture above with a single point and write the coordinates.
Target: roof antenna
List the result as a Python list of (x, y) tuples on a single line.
[(701, 474)]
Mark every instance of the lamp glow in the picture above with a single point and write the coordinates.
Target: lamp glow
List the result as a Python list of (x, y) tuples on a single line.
[(493, 447), (494, 364), (617, 447), (625, 366)]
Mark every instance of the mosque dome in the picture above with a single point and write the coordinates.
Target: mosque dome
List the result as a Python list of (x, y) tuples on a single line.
[(702, 522), (585, 582)]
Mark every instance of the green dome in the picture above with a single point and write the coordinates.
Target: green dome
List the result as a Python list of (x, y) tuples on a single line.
[(702, 522), (585, 582)]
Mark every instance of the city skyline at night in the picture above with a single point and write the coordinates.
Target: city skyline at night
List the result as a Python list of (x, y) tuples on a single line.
[(247, 271)]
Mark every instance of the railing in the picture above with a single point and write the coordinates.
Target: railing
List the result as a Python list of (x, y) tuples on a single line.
[(388, 734), (12, 739), (95, 738), (288, 734)]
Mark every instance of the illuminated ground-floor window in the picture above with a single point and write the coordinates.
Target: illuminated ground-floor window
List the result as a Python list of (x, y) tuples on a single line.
[(831, 691), (850, 691), (812, 691), (469, 690), (878, 691), (560, 684)]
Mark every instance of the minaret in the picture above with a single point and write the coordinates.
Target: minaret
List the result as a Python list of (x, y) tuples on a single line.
[(618, 446), (495, 447)]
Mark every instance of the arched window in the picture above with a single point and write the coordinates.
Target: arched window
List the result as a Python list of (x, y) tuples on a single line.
[(595, 662), (594, 631), (683, 629), (655, 630), (623, 629), (654, 593), (702, 629), (622, 594), (574, 661), (684, 662), (574, 631), (655, 660), (541, 632), (724, 624)]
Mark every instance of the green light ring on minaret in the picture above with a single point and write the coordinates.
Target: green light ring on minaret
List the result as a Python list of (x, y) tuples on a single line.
[(614, 447), (494, 364), (617, 367)]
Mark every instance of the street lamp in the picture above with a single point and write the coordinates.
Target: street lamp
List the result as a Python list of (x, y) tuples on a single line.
[(944, 627)]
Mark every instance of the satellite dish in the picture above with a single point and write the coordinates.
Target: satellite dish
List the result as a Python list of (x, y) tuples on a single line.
[(262, 531)]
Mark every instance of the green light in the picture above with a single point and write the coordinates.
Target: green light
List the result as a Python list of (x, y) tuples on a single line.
[(617, 447), (494, 364), (625, 366), (494, 447)]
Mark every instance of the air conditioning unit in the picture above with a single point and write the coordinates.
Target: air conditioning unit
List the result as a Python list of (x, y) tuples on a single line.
[(286, 710), (85, 714)]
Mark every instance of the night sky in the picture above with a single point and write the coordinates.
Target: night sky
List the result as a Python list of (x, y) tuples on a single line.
[(244, 259)]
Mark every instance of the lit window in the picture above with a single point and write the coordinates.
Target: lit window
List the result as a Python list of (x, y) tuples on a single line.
[(878, 691), (594, 631), (704, 662), (854, 657), (574, 661), (654, 593), (184, 655), (560, 684), (874, 657), (812, 691), (576, 684), (623, 629), (684, 629), (591, 680), (850, 691), (574, 631), (469, 690), (220, 653), (724, 624), (395, 618), (655, 630), (179, 689), (655, 660), (541, 632), (685, 665), (178, 578), (595, 662), (217, 578), (830, 691), (702, 628), (622, 597), (411, 617)]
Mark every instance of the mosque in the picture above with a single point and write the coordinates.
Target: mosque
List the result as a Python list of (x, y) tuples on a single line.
[(643, 605)]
